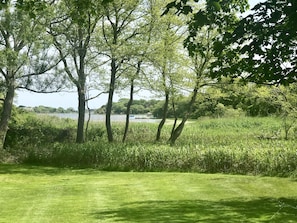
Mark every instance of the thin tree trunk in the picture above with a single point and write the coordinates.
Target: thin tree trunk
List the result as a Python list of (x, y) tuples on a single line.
[(88, 121), (110, 99), (130, 101), (6, 112), (81, 116), (164, 116), (128, 110), (175, 120)]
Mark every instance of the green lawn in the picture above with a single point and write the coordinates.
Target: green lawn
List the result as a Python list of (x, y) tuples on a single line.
[(40, 194)]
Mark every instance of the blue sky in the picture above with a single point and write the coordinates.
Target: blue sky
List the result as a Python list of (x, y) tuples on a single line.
[(67, 100)]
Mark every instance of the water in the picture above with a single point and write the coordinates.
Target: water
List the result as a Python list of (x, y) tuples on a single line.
[(101, 118)]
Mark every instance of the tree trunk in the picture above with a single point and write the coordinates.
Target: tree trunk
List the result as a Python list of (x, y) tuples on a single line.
[(88, 121), (6, 112), (128, 110), (175, 120), (110, 99), (164, 116), (130, 101), (81, 116), (176, 132)]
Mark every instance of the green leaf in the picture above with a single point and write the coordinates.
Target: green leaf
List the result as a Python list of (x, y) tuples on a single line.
[(168, 7), (200, 19), (187, 9), (216, 5)]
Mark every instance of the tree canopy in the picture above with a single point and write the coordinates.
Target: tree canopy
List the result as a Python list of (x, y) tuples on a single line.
[(262, 48), (220, 14)]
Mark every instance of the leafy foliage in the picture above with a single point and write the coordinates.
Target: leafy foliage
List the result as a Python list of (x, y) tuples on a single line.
[(217, 14), (262, 47), (29, 130), (139, 106)]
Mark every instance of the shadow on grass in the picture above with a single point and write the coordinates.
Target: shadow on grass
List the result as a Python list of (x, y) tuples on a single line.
[(258, 210), (42, 170), (29, 170)]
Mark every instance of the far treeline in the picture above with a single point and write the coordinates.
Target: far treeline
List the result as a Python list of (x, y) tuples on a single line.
[(46, 109), (232, 100), (188, 54)]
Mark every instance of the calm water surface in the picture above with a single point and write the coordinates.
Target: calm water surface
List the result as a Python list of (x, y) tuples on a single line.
[(99, 117)]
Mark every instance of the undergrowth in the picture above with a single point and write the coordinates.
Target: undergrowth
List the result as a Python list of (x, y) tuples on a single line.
[(227, 145), (279, 160)]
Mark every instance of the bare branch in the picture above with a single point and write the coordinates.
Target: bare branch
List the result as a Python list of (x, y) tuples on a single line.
[(96, 96), (40, 91), (43, 71)]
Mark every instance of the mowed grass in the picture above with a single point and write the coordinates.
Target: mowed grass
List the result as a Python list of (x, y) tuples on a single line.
[(46, 194)]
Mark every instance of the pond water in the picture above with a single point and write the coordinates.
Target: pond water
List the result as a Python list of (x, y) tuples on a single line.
[(100, 117)]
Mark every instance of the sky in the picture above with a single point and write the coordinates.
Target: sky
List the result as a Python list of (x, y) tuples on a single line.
[(64, 99), (69, 99)]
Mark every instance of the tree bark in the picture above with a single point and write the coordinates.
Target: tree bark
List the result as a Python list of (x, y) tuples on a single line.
[(109, 101), (175, 119), (128, 110), (81, 89), (6, 112), (81, 115), (88, 120), (164, 116)]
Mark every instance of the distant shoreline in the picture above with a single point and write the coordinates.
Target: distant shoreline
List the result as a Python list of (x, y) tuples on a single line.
[(101, 117)]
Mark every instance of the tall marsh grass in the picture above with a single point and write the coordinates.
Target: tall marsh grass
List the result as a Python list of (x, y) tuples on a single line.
[(278, 160), (235, 146)]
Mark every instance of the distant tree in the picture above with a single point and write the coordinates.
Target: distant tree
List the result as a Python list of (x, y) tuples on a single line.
[(139, 106)]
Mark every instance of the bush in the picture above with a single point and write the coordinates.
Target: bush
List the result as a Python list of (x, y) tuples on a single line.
[(30, 130)]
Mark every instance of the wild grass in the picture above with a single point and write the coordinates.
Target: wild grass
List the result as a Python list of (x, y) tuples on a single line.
[(46, 194), (228, 145)]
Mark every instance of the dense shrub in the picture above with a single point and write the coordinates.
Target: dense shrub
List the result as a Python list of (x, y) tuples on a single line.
[(31, 130)]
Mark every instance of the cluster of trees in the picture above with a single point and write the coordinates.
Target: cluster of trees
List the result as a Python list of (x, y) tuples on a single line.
[(238, 99), (141, 106), (225, 100), (105, 46), (46, 109)]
